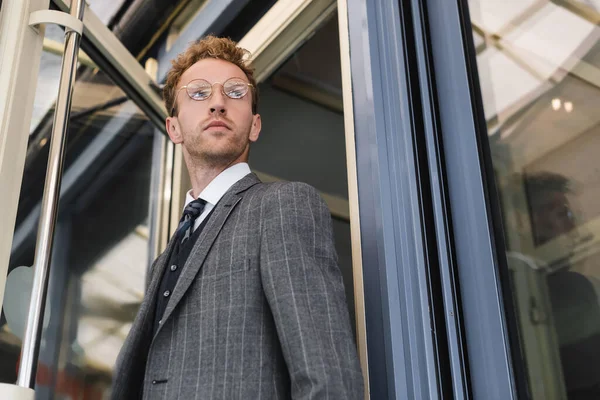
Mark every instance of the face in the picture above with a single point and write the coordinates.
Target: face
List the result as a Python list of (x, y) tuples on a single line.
[(552, 217), (216, 131)]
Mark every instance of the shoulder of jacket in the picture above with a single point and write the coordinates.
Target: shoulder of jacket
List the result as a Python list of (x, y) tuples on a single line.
[(284, 192), (288, 188)]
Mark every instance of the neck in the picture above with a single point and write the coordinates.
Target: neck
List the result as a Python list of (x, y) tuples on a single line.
[(202, 174)]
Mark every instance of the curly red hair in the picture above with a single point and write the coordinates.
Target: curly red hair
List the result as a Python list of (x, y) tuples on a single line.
[(208, 47)]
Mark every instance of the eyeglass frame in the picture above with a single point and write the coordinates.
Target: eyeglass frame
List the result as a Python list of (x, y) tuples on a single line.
[(251, 86)]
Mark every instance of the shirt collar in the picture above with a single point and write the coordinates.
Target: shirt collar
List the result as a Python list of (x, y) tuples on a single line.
[(221, 184)]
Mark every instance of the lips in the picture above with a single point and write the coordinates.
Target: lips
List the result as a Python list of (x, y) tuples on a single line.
[(216, 124)]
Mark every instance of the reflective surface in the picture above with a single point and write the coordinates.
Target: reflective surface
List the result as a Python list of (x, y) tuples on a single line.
[(49, 205), (100, 254), (539, 70), (100, 250), (105, 10)]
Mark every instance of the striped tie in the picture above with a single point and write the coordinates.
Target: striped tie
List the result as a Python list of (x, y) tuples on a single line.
[(190, 213)]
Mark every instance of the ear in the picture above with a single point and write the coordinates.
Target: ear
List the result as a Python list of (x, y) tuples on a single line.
[(173, 129), (255, 129)]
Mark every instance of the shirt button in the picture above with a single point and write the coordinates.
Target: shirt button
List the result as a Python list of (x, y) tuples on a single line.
[(173, 267), (166, 293)]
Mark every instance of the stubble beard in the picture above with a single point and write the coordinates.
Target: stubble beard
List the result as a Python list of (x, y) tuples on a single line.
[(222, 155)]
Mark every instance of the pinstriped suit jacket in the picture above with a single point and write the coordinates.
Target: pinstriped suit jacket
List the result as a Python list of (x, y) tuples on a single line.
[(259, 311)]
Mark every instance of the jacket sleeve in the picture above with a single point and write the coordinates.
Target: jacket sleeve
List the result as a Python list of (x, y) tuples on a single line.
[(304, 289)]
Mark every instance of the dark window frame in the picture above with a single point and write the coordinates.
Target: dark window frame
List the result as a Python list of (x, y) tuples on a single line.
[(496, 368), (414, 333)]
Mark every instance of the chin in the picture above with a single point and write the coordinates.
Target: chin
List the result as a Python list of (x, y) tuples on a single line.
[(220, 157), (217, 152)]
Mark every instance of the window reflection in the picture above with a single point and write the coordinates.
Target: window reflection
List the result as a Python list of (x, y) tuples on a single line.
[(99, 258), (539, 70), (48, 77), (105, 10)]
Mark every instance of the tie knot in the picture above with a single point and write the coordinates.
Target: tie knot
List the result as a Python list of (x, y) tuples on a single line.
[(194, 208), (190, 213)]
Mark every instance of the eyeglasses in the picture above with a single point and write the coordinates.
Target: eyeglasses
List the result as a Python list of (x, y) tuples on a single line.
[(200, 89)]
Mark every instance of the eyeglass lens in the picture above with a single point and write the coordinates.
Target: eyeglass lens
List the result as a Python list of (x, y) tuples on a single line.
[(200, 89)]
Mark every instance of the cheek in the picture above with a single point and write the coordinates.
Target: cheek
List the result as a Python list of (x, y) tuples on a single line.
[(192, 110), (242, 109), (189, 122), (242, 121), (184, 129)]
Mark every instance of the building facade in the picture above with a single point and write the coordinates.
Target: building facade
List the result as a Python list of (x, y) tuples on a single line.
[(449, 138)]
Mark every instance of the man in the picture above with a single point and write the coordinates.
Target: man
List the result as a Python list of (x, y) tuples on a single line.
[(573, 299), (555, 294), (247, 301)]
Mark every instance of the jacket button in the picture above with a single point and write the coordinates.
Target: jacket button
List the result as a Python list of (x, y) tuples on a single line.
[(154, 382), (173, 267), (166, 293)]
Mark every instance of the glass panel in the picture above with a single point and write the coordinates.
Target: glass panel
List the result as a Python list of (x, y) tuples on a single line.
[(245, 19), (105, 10), (541, 92), (15, 308), (48, 77), (100, 251)]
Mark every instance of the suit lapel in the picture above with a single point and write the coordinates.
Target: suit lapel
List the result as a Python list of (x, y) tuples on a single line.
[(204, 243)]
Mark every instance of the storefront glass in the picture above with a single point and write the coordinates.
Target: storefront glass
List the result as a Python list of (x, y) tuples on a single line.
[(101, 241), (105, 10), (99, 260), (539, 70)]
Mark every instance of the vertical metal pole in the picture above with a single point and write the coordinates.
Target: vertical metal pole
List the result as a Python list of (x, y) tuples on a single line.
[(43, 249)]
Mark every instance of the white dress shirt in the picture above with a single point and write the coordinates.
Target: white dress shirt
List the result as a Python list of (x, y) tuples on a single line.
[(217, 188)]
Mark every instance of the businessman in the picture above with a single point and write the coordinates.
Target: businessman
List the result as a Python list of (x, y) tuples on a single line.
[(247, 301)]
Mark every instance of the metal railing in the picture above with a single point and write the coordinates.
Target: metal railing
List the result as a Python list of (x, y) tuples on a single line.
[(49, 210)]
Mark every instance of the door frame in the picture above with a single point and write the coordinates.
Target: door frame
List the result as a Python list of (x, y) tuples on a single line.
[(279, 33), (475, 229), (20, 51)]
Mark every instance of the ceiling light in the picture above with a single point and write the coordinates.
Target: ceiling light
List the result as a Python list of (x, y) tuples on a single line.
[(568, 106), (556, 103)]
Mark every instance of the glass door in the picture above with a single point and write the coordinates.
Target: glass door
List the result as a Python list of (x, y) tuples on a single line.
[(295, 50), (101, 245), (539, 85)]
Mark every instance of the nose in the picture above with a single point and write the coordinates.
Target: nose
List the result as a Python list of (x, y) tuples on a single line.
[(217, 101)]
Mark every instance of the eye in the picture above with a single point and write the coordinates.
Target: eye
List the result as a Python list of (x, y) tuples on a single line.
[(199, 91), (235, 89)]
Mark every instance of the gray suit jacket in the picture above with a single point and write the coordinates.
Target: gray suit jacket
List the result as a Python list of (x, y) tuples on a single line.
[(259, 311)]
